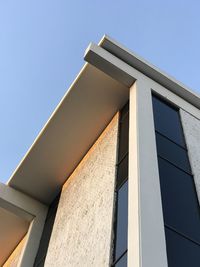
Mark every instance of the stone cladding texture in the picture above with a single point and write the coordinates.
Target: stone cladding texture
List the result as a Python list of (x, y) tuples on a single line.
[(191, 128), (82, 232)]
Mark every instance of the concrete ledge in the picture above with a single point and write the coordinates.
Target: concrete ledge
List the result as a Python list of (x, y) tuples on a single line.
[(20, 214)]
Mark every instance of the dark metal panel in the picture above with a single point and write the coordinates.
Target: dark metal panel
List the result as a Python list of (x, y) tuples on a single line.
[(172, 152), (121, 209), (122, 221), (122, 262), (180, 251), (179, 198), (167, 121)]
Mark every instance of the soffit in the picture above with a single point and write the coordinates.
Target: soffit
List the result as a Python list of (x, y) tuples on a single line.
[(12, 228), (79, 119)]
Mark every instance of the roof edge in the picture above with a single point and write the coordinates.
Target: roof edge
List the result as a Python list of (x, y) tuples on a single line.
[(42, 131), (149, 70)]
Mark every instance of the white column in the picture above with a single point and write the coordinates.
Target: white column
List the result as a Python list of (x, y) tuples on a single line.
[(146, 238)]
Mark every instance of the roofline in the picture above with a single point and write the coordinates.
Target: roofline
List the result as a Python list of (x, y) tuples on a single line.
[(42, 131), (91, 102), (149, 70), (117, 62)]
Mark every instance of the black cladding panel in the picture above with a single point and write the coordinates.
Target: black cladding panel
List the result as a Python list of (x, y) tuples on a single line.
[(172, 152), (181, 252), (122, 220), (167, 121), (180, 204), (179, 200), (122, 262)]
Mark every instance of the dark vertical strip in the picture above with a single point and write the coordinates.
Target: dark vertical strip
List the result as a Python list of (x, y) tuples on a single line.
[(121, 209), (44, 242), (179, 199)]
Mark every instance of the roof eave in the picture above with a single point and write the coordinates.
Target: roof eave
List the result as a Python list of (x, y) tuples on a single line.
[(149, 70)]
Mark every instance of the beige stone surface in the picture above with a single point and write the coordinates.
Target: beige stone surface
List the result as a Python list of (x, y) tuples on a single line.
[(13, 260), (81, 234), (191, 128)]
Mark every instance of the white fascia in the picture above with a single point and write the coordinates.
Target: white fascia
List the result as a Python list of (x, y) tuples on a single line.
[(149, 70)]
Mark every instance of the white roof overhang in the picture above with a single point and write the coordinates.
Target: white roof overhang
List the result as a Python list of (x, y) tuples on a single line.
[(151, 71), (84, 112), (99, 91)]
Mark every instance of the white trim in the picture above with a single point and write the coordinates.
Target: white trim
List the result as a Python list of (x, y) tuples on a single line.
[(124, 73), (144, 184), (133, 185), (108, 63), (20, 201), (149, 70)]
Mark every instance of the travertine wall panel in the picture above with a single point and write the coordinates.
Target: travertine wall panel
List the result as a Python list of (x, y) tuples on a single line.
[(82, 231), (191, 128), (13, 260)]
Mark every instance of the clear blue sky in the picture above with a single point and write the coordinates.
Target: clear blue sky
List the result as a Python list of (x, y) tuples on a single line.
[(42, 45)]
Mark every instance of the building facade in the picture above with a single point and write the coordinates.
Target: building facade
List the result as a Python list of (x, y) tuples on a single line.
[(113, 179)]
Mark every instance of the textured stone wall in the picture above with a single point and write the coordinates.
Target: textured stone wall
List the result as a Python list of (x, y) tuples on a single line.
[(191, 128), (81, 234), (13, 260)]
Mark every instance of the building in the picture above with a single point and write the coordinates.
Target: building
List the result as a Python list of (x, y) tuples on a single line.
[(113, 179)]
